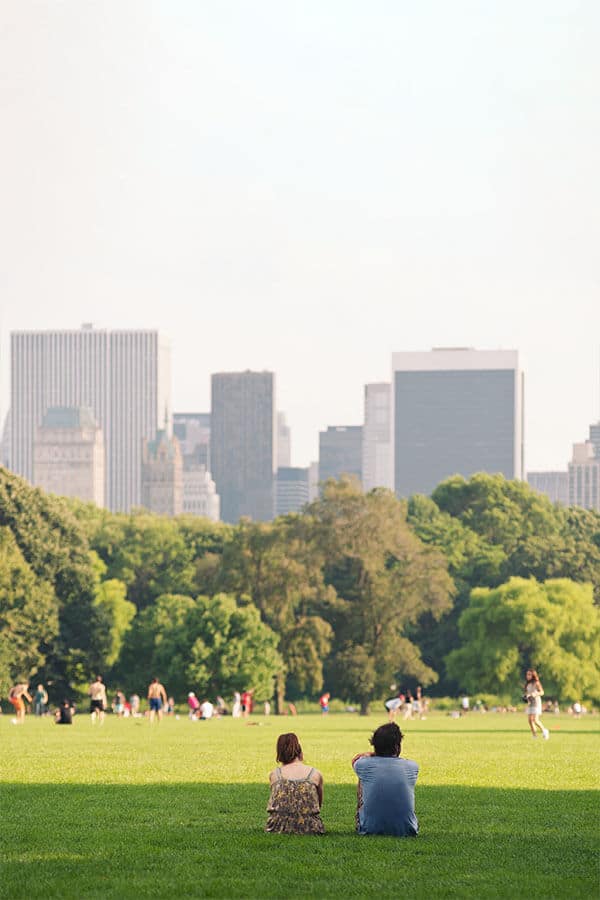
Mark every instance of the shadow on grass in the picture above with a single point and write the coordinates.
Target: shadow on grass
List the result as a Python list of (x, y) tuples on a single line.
[(157, 840)]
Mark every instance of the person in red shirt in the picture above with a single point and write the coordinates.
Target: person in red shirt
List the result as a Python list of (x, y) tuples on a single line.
[(247, 703)]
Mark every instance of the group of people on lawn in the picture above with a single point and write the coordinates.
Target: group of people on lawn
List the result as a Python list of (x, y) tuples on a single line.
[(386, 789)]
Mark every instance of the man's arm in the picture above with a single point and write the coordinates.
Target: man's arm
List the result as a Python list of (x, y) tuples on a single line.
[(163, 694), (360, 756)]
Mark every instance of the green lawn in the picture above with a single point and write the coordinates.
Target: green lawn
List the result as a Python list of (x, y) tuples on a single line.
[(177, 810)]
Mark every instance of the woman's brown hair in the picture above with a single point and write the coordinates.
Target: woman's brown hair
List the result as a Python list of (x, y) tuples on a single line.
[(534, 677), (288, 748)]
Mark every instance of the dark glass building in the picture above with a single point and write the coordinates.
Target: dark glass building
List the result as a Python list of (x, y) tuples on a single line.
[(340, 452), (243, 443), (456, 412)]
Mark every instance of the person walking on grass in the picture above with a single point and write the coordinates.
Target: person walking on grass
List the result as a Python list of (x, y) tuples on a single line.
[(98, 703), (17, 696), (533, 695), (386, 786), (157, 698), (40, 699), (296, 791)]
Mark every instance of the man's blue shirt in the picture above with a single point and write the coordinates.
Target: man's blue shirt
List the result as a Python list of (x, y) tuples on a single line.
[(388, 795)]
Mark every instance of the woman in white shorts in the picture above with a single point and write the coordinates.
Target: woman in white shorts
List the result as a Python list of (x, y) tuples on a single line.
[(533, 696)]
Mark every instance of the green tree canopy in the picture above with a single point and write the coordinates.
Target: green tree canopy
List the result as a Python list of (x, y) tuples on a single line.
[(154, 555), (385, 578), (115, 611), (56, 550), (280, 567), (28, 615), (538, 539), (553, 627), (209, 645)]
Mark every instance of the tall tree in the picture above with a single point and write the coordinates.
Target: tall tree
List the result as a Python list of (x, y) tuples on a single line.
[(28, 615), (280, 568), (56, 550), (386, 578), (553, 627), (210, 645)]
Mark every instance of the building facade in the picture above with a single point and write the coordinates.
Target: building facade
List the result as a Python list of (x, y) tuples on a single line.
[(291, 490), (555, 485), (377, 437), (456, 411), (192, 430), (244, 443), (68, 455), (122, 376), (313, 480), (584, 477), (595, 438), (340, 452), (162, 475), (200, 496), (284, 442)]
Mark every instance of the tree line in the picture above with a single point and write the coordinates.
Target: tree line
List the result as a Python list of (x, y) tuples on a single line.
[(462, 590)]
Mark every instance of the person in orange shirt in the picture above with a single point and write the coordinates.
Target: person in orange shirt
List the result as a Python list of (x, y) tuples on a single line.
[(15, 696)]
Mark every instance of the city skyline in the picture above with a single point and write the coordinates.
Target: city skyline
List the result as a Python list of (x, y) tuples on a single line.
[(95, 332), (308, 192)]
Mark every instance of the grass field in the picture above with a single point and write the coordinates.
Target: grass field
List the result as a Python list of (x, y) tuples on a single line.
[(177, 810)]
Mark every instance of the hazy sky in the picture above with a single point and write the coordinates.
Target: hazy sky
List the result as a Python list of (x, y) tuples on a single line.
[(308, 186)]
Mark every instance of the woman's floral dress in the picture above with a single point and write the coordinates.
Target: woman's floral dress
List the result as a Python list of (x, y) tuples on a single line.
[(294, 806)]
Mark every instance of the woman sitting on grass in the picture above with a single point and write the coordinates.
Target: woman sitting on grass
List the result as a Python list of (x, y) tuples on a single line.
[(296, 792)]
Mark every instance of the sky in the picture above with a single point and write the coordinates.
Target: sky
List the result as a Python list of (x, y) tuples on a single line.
[(307, 187)]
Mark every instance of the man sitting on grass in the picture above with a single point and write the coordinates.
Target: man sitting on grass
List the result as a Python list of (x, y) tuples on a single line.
[(386, 786)]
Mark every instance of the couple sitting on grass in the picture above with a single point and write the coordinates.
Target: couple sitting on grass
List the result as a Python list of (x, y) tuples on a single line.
[(386, 789)]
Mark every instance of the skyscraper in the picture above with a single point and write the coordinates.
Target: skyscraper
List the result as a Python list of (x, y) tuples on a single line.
[(584, 477), (455, 411), (595, 438), (244, 443), (122, 376), (193, 432), (377, 437), (555, 485), (340, 452), (284, 442), (291, 490)]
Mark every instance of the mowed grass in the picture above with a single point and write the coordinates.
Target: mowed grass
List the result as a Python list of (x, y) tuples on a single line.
[(178, 810)]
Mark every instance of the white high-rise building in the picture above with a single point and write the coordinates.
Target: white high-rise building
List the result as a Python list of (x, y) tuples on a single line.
[(555, 485), (456, 411), (584, 477), (122, 376), (284, 442), (377, 437)]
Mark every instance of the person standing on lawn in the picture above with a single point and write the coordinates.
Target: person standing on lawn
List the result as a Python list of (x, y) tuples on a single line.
[(386, 786), (40, 699), (98, 703), (157, 698), (15, 697), (533, 695)]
